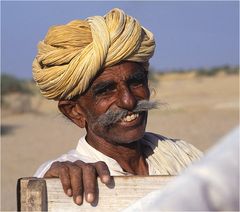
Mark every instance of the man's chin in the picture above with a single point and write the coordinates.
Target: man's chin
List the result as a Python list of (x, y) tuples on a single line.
[(127, 139)]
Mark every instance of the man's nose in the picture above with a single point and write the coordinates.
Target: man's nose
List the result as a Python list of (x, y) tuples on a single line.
[(126, 98)]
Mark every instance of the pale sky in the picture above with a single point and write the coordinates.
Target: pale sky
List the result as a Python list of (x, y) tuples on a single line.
[(189, 34)]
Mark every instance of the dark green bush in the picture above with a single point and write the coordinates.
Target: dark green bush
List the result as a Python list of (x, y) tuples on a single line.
[(215, 70), (11, 84)]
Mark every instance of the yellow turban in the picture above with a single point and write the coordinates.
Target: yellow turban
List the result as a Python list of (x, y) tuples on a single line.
[(71, 55)]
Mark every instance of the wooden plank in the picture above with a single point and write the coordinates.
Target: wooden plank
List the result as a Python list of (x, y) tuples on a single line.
[(32, 194), (122, 192)]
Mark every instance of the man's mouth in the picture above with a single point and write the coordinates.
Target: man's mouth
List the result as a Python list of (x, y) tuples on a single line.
[(130, 117), (124, 117)]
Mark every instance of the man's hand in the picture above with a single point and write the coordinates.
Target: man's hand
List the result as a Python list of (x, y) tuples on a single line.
[(79, 177)]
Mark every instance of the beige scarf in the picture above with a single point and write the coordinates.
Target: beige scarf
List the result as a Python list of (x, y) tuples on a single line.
[(71, 55)]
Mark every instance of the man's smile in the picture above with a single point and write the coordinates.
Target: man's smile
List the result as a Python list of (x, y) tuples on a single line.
[(132, 119)]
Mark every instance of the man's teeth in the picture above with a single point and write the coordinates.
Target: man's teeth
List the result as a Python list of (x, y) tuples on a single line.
[(131, 117)]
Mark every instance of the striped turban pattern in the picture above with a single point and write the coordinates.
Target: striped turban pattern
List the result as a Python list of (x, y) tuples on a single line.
[(71, 55)]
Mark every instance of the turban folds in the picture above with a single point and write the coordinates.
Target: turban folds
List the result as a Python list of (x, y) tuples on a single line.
[(71, 55)]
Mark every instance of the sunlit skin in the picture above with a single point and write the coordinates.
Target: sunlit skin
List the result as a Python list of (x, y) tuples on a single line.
[(119, 86), (121, 89)]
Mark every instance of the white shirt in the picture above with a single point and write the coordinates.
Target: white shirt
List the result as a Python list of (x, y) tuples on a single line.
[(164, 156)]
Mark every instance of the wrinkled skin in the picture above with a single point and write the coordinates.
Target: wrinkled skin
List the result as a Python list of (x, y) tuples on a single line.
[(119, 86), (78, 177)]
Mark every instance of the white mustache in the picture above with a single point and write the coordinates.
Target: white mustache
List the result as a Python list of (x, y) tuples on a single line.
[(113, 116)]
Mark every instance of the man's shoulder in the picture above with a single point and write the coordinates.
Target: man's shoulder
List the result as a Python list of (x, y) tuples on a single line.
[(167, 144), (168, 156), (156, 138)]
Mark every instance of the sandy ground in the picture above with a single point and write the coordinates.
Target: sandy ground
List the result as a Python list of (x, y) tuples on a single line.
[(199, 110)]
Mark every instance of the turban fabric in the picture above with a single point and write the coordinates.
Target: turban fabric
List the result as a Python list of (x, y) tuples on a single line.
[(71, 55)]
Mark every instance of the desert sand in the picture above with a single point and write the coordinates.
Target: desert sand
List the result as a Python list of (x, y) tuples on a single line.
[(199, 110)]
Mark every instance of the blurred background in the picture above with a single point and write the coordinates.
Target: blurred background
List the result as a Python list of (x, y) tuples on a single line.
[(194, 72)]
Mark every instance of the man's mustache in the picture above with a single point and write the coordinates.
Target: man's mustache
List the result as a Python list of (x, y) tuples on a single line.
[(114, 115)]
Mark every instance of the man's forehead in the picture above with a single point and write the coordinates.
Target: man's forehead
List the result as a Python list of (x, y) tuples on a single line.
[(120, 71)]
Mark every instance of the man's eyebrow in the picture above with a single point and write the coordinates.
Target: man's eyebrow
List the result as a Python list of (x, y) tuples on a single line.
[(102, 85), (138, 74)]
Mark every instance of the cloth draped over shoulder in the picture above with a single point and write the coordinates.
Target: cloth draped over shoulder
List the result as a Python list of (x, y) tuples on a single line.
[(164, 156), (71, 55)]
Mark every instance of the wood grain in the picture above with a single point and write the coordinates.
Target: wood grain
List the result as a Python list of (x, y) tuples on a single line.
[(119, 194), (32, 195)]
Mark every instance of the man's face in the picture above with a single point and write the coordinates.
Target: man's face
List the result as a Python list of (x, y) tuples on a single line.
[(117, 87)]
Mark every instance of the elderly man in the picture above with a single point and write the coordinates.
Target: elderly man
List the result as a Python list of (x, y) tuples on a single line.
[(97, 69)]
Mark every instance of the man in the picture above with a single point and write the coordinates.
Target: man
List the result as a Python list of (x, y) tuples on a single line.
[(97, 70)]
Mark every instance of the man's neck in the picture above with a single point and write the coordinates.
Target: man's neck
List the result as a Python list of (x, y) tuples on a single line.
[(129, 156)]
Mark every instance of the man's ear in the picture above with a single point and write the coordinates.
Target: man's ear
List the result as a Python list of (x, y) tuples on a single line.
[(73, 111)]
